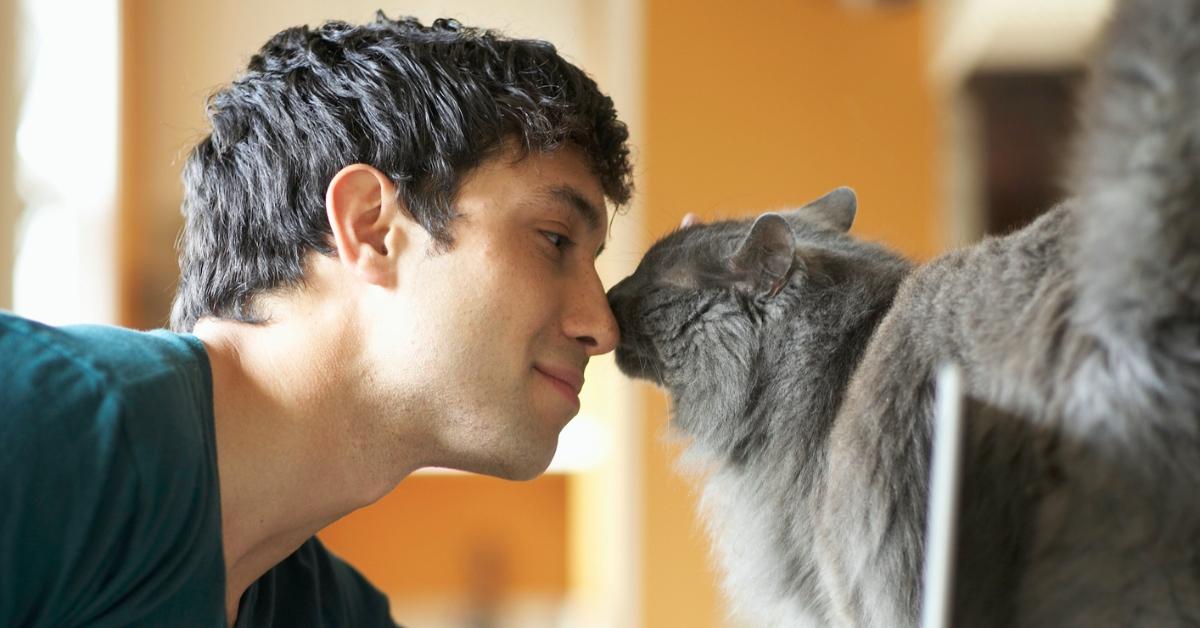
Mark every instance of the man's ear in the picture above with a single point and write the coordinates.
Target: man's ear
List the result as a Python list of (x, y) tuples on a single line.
[(362, 209)]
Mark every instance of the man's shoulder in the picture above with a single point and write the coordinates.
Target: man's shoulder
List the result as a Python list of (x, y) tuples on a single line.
[(90, 397), (106, 356), (78, 375), (109, 474)]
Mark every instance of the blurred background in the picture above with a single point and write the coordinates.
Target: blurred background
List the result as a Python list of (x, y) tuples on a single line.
[(950, 118)]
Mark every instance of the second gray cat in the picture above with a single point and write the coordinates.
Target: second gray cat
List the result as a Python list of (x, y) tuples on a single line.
[(800, 362)]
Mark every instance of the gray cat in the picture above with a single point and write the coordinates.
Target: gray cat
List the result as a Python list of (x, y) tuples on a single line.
[(800, 363)]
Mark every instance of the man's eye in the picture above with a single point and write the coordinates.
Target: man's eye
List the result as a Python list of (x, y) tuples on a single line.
[(559, 240)]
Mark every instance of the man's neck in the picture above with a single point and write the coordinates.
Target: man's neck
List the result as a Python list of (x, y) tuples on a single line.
[(294, 452)]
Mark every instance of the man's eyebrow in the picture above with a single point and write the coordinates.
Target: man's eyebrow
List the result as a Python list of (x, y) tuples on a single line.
[(584, 208)]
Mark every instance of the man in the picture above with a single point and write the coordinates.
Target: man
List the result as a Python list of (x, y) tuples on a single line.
[(388, 263)]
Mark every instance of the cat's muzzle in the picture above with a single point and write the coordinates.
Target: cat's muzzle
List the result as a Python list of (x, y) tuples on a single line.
[(636, 358), (635, 352)]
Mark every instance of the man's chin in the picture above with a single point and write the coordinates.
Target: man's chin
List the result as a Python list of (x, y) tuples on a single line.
[(535, 463), (515, 466), (519, 470), (526, 474)]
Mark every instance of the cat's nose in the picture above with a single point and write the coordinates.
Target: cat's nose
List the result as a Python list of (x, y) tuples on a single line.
[(619, 300), (614, 294)]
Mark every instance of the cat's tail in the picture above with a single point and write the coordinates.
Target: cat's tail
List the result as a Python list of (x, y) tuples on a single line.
[(1137, 178)]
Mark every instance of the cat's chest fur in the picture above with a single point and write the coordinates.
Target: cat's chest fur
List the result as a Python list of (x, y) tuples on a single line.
[(766, 559)]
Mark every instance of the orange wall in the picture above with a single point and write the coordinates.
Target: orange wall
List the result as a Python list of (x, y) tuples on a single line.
[(757, 106), (433, 532), (782, 101)]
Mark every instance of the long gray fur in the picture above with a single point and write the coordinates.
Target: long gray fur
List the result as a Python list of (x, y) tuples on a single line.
[(809, 401)]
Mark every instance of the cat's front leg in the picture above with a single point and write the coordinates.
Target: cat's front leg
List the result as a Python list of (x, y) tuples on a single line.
[(870, 529)]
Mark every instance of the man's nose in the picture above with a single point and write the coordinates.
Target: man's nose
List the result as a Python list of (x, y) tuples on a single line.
[(591, 321)]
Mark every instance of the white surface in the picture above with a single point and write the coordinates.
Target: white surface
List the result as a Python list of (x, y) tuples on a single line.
[(1028, 34), (64, 267), (945, 480)]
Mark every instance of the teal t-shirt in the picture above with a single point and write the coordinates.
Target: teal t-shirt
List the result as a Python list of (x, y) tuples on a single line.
[(110, 512)]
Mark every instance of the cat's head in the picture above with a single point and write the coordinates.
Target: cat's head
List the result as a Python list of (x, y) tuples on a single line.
[(695, 315)]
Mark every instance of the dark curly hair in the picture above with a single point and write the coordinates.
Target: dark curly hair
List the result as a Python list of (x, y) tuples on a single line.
[(423, 104)]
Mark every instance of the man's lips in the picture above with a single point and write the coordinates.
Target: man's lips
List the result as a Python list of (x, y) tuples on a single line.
[(568, 380)]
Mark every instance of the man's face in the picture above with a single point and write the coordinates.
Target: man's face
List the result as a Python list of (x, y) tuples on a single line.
[(500, 327)]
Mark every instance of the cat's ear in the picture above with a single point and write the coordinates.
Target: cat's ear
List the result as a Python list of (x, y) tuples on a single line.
[(834, 210), (767, 256)]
